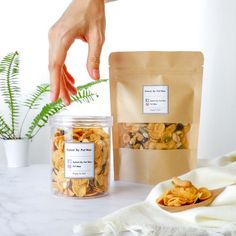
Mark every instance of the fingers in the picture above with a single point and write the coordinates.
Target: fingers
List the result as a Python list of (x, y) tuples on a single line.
[(95, 42), (71, 88), (59, 43), (55, 75), (61, 80), (57, 55), (64, 93), (66, 86), (69, 80), (69, 76)]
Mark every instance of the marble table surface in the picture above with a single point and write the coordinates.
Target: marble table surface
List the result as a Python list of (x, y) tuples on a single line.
[(29, 208)]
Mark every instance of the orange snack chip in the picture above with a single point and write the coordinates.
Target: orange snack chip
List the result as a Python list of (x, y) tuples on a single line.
[(183, 193)]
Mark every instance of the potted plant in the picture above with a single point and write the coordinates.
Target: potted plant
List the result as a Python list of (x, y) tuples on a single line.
[(16, 143)]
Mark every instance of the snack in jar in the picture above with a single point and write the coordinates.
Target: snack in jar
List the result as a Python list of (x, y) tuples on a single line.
[(80, 155)]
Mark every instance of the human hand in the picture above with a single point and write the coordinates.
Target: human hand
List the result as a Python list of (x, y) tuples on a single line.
[(85, 20)]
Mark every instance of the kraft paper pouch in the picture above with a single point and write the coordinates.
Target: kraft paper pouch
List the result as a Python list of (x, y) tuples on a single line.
[(155, 103)]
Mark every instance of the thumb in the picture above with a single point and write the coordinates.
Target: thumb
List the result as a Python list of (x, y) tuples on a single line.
[(95, 47)]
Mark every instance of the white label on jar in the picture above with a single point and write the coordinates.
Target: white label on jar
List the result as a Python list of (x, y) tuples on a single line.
[(155, 99), (79, 160)]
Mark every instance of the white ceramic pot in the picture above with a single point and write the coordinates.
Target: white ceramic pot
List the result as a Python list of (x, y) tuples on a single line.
[(17, 152)]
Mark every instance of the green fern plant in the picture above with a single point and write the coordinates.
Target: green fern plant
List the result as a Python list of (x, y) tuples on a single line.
[(9, 69), (9, 72)]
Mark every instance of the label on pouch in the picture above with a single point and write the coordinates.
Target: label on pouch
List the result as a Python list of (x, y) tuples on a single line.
[(155, 99), (79, 160)]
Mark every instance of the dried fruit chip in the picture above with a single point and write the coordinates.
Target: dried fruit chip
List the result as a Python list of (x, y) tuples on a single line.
[(204, 194), (79, 190), (183, 193), (58, 159)]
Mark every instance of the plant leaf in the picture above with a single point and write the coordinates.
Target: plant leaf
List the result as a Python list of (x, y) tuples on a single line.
[(33, 101), (5, 131), (9, 71), (88, 85)]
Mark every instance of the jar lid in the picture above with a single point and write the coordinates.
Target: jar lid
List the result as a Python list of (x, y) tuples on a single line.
[(80, 121)]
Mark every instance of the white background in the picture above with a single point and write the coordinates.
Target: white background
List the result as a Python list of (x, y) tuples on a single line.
[(204, 25)]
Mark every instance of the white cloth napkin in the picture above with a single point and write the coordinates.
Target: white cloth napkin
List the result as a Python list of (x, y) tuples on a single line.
[(147, 219)]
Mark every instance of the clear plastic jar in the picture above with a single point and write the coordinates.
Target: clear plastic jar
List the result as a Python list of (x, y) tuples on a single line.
[(80, 155)]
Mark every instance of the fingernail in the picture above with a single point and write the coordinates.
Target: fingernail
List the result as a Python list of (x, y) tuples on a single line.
[(74, 92), (67, 103), (95, 74)]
